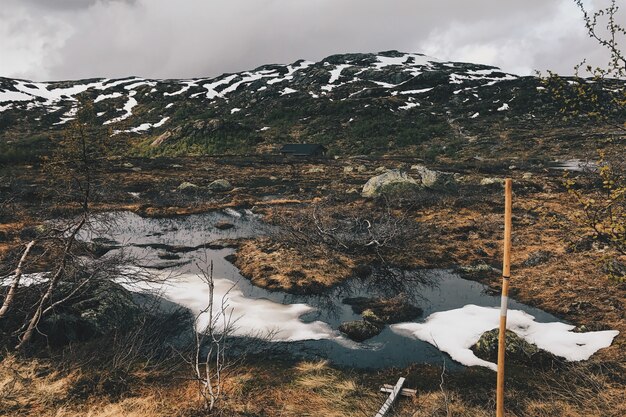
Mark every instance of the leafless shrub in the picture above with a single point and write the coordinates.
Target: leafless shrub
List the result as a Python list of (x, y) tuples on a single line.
[(360, 231)]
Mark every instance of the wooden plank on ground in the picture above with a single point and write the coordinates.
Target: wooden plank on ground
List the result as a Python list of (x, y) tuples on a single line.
[(406, 392), (391, 399)]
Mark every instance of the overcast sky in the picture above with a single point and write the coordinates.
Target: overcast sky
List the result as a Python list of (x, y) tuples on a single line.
[(70, 39)]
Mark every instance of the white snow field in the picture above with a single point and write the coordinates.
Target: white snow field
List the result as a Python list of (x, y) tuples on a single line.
[(455, 331), (249, 317)]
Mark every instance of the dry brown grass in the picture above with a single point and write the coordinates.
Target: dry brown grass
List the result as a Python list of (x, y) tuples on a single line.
[(458, 235), (272, 265)]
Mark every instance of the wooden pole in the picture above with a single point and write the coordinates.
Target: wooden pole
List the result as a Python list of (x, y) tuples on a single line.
[(506, 274)]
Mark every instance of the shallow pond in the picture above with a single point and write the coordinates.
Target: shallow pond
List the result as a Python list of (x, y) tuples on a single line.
[(306, 324)]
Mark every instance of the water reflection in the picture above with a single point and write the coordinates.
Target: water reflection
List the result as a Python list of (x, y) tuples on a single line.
[(176, 244)]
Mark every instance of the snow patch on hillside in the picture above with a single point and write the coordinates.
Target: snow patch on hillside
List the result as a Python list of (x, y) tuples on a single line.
[(287, 91), (107, 96), (128, 108), (336, 72)]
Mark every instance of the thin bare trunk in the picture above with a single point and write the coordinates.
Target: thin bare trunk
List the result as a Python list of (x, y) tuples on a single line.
[(16, 280), (34, 321)]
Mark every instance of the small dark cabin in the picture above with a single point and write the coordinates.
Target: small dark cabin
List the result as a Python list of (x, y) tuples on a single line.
[(303, 149)]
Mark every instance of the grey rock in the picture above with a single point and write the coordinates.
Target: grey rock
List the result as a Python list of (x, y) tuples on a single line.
[(491, 181), (220, 185), (435, 180), (389, 182), (162, 138), (104, 307), (517, 349), (187, 185)]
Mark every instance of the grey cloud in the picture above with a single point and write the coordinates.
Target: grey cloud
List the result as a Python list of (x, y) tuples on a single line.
[(193, 38), (69, 4)]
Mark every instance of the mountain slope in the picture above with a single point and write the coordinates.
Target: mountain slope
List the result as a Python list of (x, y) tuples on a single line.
[(353, 103)]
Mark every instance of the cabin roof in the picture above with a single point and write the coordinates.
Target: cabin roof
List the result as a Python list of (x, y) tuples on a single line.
[(302, 148)]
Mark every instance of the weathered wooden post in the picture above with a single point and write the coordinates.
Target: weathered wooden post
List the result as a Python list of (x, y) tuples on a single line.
[(506, 274)]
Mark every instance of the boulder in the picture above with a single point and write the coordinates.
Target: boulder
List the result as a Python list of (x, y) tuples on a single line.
[(384, 310), (518, 350), (390, 182), (104, 308), (220, 185), (186, 186), (161, 139), (491, 181), (314, 170), (360, 330), (435, 180)]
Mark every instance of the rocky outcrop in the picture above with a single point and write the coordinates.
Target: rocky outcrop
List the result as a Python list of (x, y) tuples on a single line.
[(435, 180), (517, 349), (162, 138), (360, 330), (391, 182), (103, 308)]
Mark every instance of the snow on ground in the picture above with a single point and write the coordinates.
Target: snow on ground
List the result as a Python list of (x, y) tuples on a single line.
[(14, 96), (107, 96), (210, 87), (288, 90), (414, 60), (186, 86), (423, 90), (27, 90), (336, 72), (383, 84), (408, 106), (69, 115), (128, 108), (290, 71), (504, 107), (250, 316), (475, 115), (6, 107), (455, 331), (139, 84), (161, 122), (235, 110), (105, 84), (145, 126), (264, 128), (247, 77)]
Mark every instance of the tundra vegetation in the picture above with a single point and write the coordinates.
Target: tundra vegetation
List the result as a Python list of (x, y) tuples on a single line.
[(75, 341)]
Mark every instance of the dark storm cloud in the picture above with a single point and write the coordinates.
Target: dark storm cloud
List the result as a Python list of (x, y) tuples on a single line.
[(193, 38)]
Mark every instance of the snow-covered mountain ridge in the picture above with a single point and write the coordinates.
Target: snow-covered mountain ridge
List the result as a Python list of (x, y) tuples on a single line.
[(335, 101)]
